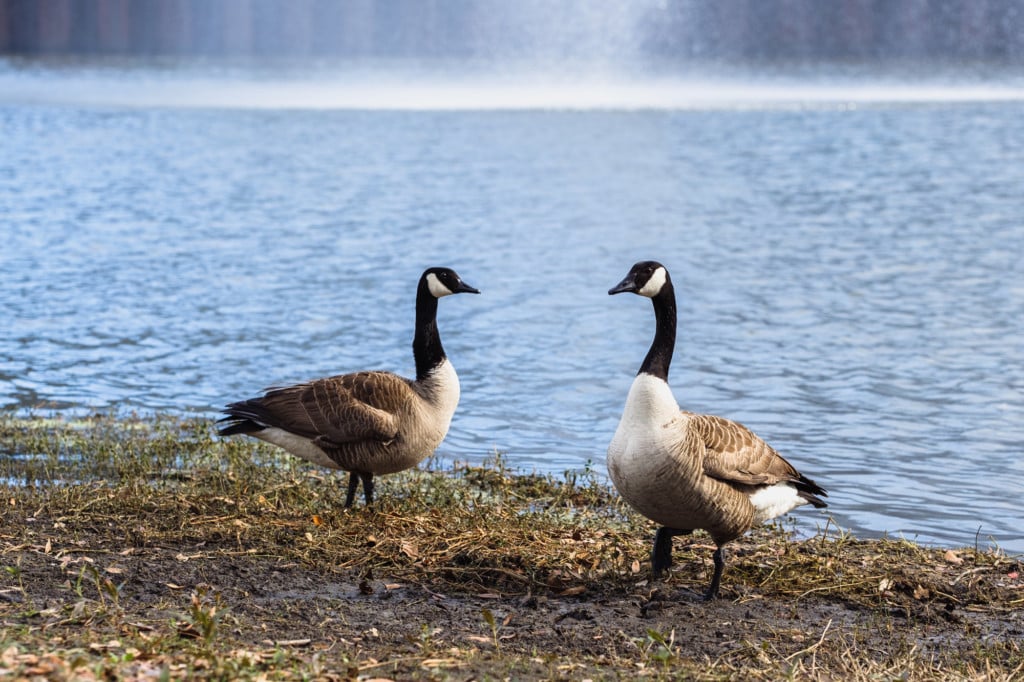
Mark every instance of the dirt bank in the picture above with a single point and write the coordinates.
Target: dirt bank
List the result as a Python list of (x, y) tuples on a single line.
[(163, 551)]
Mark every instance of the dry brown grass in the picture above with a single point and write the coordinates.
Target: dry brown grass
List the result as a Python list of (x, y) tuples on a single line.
[(150, 548)]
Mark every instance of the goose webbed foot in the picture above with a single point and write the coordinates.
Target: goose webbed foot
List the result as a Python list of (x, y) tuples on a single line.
[(716, 578), (661, 554)]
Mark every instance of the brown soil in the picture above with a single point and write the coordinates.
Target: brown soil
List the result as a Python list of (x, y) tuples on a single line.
[(233, 562), (406, 624)]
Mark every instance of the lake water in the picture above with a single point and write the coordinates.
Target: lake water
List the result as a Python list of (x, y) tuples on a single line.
[(848, 262)]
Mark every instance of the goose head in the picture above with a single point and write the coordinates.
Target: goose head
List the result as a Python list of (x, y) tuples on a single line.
[(445, 282), (646, 278)]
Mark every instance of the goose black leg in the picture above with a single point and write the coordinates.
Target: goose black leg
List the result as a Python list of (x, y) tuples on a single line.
[(353, 483), (367, 487), (719, 557), (661, 555)]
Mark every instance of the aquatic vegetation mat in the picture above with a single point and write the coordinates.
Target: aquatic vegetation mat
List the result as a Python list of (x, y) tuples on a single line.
[(152, 548)]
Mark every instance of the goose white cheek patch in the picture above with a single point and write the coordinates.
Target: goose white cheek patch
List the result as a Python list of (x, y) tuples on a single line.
[(654, 284), (436, 287)]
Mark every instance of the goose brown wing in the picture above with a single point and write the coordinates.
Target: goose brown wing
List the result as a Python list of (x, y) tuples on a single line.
[(339, 409), (733, 453)]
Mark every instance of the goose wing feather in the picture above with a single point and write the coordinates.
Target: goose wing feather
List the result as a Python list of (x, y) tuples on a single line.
[(335, 410), (734, 454)]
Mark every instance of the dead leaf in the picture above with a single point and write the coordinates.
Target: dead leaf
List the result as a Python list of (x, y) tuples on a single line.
[(112, 644), (952, 557), (885, 584), (186, 630), (635, 568), (555, 581), (572, 591), (175, 587), (251, 656), (114, 569), (9, 657), (921, 592), (410, 550)]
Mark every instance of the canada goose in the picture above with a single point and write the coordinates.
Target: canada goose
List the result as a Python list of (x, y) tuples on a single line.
[(366, 423), (689, 471)]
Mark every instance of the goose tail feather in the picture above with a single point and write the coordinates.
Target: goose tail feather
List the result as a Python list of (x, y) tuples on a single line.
[(243, 417), (809, 490)]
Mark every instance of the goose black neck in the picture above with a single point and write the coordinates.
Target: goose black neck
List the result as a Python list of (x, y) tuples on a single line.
[(427, 350), (659, 357)]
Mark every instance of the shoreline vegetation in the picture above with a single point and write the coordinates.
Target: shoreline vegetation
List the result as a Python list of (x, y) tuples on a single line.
[(150, 548)]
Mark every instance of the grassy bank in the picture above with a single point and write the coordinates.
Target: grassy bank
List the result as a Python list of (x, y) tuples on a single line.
[(149, 548)]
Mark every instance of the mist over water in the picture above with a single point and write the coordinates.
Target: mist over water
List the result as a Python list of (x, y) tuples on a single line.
[(442, 87), (183, 227)]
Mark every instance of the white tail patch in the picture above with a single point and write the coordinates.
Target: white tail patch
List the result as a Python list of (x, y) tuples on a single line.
[(436, 288), (654, 284), (775, 500)]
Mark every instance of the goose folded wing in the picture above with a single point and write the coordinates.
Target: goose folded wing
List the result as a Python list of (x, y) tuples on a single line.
[(734, 454), (330, 410)]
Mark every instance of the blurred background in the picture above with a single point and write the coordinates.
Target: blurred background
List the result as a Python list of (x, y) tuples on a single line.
[(661, 33)]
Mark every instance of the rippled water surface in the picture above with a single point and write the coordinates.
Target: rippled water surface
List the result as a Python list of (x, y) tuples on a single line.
[(850, 278)]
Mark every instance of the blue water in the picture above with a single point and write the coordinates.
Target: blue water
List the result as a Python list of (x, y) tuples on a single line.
[(849, 267)]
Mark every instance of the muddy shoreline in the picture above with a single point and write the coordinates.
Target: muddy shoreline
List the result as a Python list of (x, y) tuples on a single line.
[(194, 558)]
